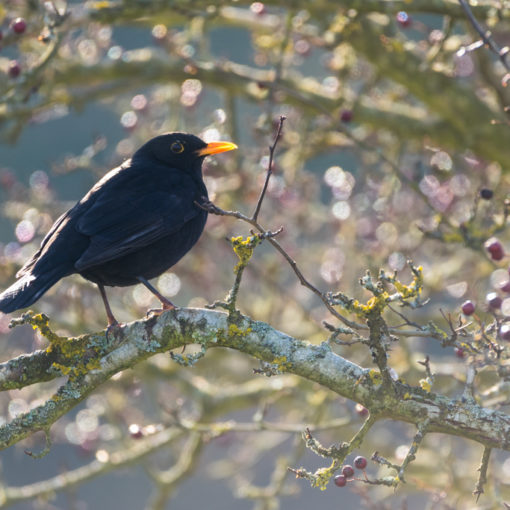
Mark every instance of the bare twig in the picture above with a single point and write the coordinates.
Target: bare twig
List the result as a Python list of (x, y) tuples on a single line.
[(411, 454), (384, 462), (214, 209), (469, 389), (272, 148), (482, 479), (486, 36)]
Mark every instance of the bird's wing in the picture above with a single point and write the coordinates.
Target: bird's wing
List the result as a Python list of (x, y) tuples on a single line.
[(119, 226), (29, 264)]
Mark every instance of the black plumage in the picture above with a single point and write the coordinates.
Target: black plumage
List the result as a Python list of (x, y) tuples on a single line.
[(134, 224)]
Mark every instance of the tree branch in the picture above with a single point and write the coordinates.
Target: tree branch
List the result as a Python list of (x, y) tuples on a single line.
[(317, 363)]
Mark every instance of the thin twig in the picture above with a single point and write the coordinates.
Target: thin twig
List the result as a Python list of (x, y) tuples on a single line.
[(411, 454), (272, 148), (214, 209), (482, 479), (468, 394), (486, 35)]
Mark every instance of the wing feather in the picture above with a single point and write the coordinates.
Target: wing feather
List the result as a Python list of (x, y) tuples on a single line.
[(117, 227)]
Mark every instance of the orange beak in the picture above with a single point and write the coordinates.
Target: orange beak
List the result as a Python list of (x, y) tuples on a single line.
[(216, 148)]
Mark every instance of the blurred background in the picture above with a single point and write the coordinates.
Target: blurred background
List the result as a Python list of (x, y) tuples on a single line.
[(394, 148)]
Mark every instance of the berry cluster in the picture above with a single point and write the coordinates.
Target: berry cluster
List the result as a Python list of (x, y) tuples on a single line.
[(348, 471), (494, 303), (17, 26), (493, 245), (493, 300), (497, 302)]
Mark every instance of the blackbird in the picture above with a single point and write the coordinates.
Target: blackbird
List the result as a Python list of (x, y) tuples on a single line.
[(134, 224)]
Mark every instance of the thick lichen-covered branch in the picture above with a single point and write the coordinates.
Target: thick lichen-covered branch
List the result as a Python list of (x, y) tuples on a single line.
[(317, 363)]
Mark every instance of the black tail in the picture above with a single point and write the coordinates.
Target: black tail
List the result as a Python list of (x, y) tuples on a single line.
[(27, 290)]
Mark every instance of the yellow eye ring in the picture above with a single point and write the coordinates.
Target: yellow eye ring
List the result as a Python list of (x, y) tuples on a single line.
[(177, 147)]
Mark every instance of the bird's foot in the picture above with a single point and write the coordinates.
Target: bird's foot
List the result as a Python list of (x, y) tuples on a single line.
[(166, 305), (114, 328)]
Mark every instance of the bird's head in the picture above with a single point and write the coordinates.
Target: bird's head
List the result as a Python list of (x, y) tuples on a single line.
[(182, 150)]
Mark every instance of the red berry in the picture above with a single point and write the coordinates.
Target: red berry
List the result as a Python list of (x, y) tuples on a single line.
[(493, 300), (486, 193), (346, 115), (360, 462), (504, 331), (361, 410), (348, 471), (14, 69), (495, 248), (403, 19), (459, 352), (468, 307), (505, 286), (18, 25), (340, 480)]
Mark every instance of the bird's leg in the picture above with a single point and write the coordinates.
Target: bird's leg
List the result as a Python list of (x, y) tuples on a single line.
[(165, 303), (112, 321)]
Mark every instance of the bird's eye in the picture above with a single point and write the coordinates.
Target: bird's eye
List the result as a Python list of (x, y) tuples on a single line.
[(177, 147)]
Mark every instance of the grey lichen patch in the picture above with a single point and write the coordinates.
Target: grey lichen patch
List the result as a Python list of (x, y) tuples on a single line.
[(144, 337), (188, 360), (154, 331), (25, 370)]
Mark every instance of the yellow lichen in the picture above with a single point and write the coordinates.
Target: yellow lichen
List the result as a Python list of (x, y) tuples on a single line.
[(101, 5), (438, 331), (62, 368), (234, 330), (243, 248), (414, 288), (375, 376), (41, 322), (282, 363), (76, 356), (77, 368), (374, 304), (426, 384), (323, 476)]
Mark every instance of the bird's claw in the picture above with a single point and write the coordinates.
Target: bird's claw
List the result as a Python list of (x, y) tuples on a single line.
[(116, 329), (208, 206), (159, 311)]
